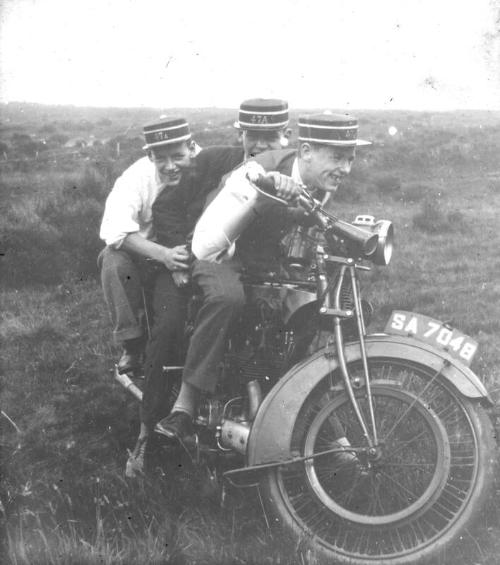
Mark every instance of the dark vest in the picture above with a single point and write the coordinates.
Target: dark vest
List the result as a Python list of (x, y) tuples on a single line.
[(175, 212), (259, 247)]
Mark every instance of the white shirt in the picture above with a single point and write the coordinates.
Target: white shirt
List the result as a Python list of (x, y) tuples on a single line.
[(231, 211), (129, 204), (295, 172)]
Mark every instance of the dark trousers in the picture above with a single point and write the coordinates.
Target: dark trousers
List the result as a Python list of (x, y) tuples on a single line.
[(223, 301), (123, 278), (166, 346)]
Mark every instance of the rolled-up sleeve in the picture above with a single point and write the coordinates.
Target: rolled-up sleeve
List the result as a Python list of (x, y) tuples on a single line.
[(226, 216), (121, 213)]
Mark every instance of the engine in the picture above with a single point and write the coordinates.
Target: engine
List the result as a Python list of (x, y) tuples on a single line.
[(259, 346)]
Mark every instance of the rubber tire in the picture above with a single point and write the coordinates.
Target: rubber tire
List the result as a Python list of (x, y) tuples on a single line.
[(279, 507)]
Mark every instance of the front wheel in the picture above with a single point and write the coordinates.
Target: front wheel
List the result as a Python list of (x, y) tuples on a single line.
[(403, 501)]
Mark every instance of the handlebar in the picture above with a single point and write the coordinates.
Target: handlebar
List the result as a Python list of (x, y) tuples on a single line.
[(363, 240)]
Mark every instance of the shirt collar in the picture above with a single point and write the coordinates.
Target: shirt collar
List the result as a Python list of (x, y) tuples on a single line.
[(295, 172)]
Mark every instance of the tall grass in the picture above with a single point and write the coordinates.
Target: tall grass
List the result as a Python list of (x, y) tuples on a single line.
[(65, 426), (51, 222), (432, 219), (65, 497)]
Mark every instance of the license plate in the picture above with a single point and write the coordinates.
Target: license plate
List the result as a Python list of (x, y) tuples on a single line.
[(433, 332)]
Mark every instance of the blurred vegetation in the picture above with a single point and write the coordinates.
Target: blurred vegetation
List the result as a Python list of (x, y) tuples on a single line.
[(65, 425), (432, 219), (60, 163)]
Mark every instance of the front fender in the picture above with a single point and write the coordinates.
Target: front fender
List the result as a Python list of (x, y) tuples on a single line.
[(272, 428)]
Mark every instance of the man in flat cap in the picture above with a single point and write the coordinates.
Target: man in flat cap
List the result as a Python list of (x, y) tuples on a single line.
[(263, 126), (128, 231), (326, 151)]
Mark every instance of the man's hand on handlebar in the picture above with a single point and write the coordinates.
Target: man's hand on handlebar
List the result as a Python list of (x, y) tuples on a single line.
[(175, 258), (286, 188)]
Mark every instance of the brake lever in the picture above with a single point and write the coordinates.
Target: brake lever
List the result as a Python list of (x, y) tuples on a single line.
[(305, 198)]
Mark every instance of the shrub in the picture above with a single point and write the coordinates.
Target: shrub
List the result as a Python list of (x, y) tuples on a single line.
[(417, 191), (432, 219), (80, 233), (58, 139), (53, 234), (350, 190), (77, 221), (456, 220), (47, 129), (4, 148), (32, 254), (389, 157), (90, 183), (388, 185), (24, 145), (494, 185)]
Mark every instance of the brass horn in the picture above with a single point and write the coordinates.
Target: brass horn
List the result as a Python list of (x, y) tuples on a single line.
[(385, 232), (365, 241)]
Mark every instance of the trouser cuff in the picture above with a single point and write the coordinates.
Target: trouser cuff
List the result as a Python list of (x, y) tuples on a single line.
[(125, 335)]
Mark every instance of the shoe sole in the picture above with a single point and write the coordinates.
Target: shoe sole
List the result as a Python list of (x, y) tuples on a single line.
[(132, 471), (164, 432), (129, 370)]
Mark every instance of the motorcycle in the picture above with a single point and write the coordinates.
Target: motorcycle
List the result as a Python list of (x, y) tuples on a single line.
[(369, 448)]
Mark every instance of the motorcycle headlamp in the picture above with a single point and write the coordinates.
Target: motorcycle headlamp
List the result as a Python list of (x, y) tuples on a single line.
[(385, 231)]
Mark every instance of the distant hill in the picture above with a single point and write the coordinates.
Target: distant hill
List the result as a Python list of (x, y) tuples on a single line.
[(28, 129), (24, 114)]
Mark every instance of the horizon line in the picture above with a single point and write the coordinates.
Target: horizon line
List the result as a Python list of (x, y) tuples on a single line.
[(292, 110)]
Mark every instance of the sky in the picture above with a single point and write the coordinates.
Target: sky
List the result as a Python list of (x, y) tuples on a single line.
[(388, 54)]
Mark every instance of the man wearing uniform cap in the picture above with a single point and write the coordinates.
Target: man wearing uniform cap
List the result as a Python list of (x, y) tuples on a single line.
[(324, 157), (127, 223), (127, 230), (263, 126)]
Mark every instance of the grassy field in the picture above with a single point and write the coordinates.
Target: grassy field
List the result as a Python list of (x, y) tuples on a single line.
[(65, 426)]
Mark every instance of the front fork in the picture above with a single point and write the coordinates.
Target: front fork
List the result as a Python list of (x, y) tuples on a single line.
[(348, 269)]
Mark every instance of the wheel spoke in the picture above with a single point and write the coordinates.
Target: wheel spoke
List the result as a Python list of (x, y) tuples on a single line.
[(404, 414), (406, 444), (416, 488), (401, 486), (377, 499), (418, 465)]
